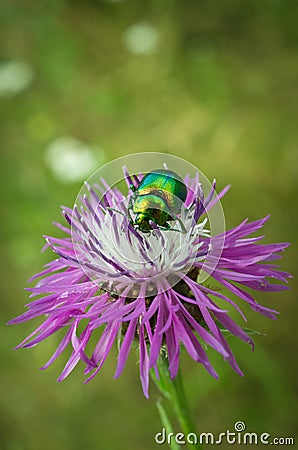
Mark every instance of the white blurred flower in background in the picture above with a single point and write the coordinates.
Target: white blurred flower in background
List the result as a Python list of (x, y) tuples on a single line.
[(141, 38), (15, 77), (71, 160)]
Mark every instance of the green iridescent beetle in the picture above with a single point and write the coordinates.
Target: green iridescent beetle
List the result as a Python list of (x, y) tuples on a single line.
[(158, 198)]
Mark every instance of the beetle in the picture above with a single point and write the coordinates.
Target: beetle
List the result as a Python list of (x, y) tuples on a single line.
[(158, 198)]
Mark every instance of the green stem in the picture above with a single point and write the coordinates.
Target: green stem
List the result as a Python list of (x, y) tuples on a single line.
[(173, 391), (181, 406)]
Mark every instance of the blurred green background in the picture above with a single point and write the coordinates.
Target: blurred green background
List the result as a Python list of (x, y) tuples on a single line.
[(84, 82)]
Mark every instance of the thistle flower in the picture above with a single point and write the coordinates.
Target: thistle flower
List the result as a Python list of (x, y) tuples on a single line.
[(145, 287)]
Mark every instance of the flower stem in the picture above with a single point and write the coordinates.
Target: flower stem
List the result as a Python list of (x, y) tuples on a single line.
[(173, 391)]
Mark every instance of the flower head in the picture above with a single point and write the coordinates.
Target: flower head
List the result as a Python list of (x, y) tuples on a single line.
[(148, 287)]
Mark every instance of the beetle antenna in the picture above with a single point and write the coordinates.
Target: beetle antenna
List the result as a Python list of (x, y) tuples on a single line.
[(116, 210)]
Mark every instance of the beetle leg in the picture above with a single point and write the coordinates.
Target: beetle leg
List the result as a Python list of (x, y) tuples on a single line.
[(129, 208), (167, 227), (170, 229), (182, 225), (129, 213)]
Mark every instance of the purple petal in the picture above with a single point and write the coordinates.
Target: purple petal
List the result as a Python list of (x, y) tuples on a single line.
[(125, 347), (144, 363)]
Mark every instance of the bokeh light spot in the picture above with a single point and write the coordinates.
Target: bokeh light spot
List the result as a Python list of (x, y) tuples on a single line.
[(141, 38), (71, 160)]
